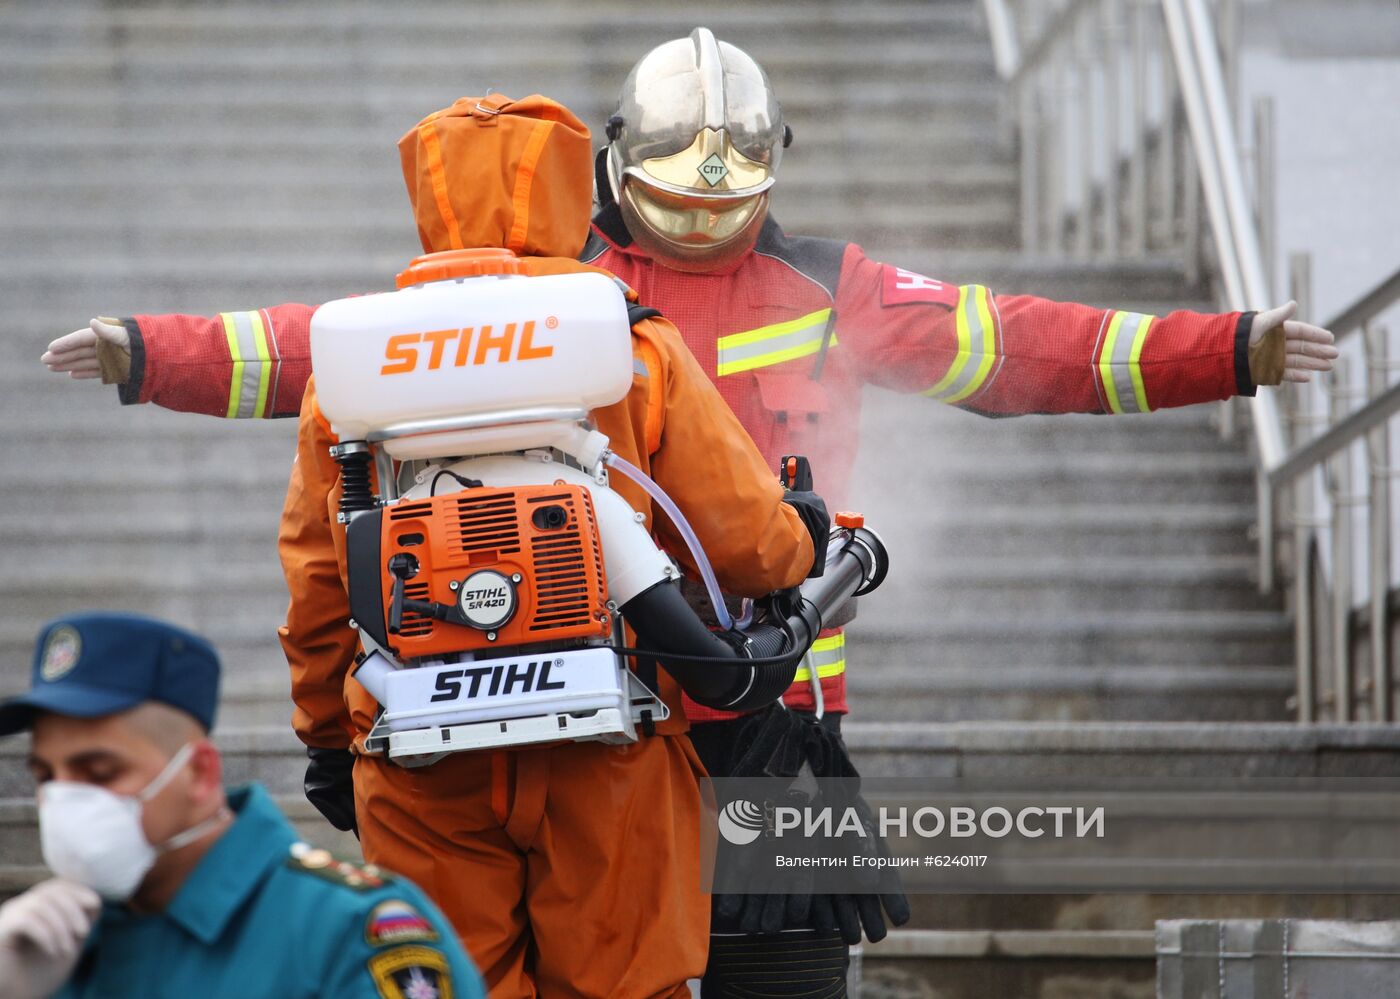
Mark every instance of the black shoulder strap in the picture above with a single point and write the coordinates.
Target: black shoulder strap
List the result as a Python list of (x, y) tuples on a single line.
[(816, 259), (636, 313), (593, 248)]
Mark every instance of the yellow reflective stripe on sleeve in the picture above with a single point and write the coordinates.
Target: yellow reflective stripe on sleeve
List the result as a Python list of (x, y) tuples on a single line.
[(265, 363), (236, 381), (1135, 364), (977, 347), (828, 655), (1120, 362), (252, 363), (767, 345)]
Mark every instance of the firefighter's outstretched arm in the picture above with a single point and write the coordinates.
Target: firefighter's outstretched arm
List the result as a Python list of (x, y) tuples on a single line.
[(251, 364), (1015, 354)]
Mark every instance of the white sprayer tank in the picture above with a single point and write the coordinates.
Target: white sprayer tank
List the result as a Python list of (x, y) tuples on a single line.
[(465, 346)]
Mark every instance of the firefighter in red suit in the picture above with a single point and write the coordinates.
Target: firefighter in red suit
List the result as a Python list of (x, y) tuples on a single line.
[(788, 327)]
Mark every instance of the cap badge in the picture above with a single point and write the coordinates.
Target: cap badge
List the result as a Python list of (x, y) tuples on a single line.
[(62, 650)]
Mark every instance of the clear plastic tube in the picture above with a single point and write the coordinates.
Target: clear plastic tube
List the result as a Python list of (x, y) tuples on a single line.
[(702, 562)]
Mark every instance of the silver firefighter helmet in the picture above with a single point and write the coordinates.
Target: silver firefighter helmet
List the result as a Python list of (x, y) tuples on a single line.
[(694, 148)]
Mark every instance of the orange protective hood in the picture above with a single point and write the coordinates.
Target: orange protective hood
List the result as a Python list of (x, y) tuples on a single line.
[(495, 172)]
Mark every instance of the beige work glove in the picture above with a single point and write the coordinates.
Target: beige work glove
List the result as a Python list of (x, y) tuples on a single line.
[(42, 933), (102, 350), (1282, 349)]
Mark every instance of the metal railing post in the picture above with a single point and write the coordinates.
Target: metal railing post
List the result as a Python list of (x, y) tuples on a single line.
[(1265, 198), (1343, 501), (1113, 127), (1304, 661), (1058, 146), (1166, 151), (1084, 160), (1228, 29), (1137, 162), (1030, 166), (1190, 212), (1378, 452)]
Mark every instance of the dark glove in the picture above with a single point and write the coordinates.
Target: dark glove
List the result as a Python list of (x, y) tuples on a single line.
[(780, 743), (851, 913), (329, 786), (812, 509), (767, 743)]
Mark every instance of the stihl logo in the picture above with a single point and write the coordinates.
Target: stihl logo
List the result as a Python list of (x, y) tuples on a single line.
[(472, 346), (487, 598), (498, 680)]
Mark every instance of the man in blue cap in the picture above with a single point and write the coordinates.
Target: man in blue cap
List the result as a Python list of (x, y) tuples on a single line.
[(167, 885)]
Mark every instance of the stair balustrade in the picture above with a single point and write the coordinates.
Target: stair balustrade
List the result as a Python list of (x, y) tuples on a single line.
[(1125, 114)]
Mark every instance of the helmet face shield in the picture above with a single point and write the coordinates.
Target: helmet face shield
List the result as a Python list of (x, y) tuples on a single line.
[(697, 142), (691, 232), (710, 165)]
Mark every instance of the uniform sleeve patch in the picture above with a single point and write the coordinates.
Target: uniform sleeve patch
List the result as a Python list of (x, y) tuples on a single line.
[(397, 922), (411, 973), (901, 287)]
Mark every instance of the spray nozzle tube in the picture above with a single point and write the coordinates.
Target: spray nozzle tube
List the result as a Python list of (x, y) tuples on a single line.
[(702, 562)]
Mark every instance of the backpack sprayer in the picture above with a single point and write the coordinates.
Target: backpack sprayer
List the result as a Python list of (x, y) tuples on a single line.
[(490, 594)]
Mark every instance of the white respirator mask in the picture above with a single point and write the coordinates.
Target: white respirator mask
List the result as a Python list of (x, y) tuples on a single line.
[(94, 837)]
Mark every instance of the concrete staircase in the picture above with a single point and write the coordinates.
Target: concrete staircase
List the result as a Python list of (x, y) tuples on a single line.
[(173, 157)]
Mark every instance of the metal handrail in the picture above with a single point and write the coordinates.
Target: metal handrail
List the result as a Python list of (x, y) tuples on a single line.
[(1340, 435), (1366, 308), (1355, 317), (1235, 232), (1035, 56), (1232, 221), (1005, 47)]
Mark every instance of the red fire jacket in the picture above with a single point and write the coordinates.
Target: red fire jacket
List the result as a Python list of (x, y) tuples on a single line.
[(789, 334)]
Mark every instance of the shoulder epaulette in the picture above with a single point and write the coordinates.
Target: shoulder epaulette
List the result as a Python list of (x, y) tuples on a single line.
[(314, 860)]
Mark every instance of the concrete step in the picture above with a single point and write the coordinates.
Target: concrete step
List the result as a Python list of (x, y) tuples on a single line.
[(887, 690), (962, 587), (303, 25), (1143, 529), (1090, 637), (896, 427), (971, 963), (299, 186), (972, 751), (265, 145), (323, 228), (257, 70), (1131, 750), (385, 95), (1083, 475)]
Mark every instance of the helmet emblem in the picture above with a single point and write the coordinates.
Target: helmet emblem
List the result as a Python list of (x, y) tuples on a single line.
[(713, 170)]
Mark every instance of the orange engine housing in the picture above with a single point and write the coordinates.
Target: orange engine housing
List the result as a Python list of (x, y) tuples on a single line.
[(562, 589)]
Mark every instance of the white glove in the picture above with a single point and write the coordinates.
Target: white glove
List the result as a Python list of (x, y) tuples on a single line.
[(41, 937), (1305, 348), (78, 352)]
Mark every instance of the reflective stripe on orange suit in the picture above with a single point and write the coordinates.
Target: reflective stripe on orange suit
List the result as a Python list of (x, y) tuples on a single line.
[(571, 869)]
